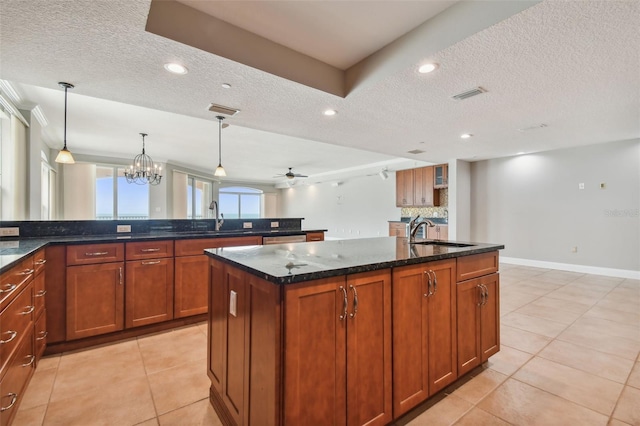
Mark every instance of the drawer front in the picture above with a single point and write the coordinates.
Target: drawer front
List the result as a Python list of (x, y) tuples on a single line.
[(477, 265), (149, 249), (40, 336), (14, 384), (195, 247), (38, 294), (14, 280), (95, 253), (39, 261), (15, 321), (315, 236)]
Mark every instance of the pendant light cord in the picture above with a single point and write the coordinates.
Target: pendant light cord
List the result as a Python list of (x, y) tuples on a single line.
[(220, 118), (65, 116)]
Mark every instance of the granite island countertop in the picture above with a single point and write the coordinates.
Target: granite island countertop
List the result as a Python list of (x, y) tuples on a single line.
[(293, 263)]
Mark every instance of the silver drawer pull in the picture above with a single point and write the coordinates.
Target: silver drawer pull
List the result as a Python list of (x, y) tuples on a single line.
[(44, 335), (149, 250), (14, 398), (151, 262), (27, 272), (41, 293), (97, 253), (8, 287), (30, 309), (13, 336), (40, 262), (33, 358)]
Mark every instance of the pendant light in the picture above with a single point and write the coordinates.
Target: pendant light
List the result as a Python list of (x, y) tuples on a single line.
[(64, 156), (143, 171), (220, 170)]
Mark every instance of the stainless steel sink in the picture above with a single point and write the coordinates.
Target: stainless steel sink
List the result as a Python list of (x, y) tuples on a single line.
[(441, 243)]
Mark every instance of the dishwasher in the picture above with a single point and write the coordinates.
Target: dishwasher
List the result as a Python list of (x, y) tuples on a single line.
[(284, 239)]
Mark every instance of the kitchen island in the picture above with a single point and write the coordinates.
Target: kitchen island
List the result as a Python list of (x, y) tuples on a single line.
[(346, 332)]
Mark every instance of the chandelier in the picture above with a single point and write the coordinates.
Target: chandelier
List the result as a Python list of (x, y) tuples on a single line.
[(143, 171)]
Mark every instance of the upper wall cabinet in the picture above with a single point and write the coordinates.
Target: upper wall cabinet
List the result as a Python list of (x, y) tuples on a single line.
[(404, 188), (415, 188), (441, 176)]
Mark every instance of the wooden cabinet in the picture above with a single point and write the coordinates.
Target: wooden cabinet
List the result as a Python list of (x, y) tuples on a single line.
[(148, 292), (404, 188), (424, 332), (478, 321), (315, 236), (424, 193), (338, 351), (397, 229), (441, 176), (16, 375), (438, 232), (39, 297)]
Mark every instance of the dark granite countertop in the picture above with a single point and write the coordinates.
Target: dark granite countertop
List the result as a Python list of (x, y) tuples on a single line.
[(14, 250), (293, 263)]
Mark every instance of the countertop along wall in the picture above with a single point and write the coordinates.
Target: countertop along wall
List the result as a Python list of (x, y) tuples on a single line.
[(533, 205)]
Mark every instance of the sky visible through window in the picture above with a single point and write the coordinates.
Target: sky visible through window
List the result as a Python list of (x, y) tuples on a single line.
[(133, 200), (240, 202)]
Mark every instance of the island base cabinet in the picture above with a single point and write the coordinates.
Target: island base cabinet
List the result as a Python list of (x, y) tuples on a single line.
[(424, 332), (337, 365), (478, 321)]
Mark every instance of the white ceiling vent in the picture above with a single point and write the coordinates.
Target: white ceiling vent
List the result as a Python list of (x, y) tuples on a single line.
[(416, 151), (220, 109), (469, 93), (534, 127)]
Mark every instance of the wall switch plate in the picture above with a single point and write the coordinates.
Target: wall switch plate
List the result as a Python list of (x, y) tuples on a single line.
[(275, 224), (233, 303), (574, 249), (247, 225), (10, 232), (123, 228)]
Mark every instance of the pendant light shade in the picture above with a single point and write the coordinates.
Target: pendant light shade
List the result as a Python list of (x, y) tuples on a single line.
[(64, 156), (143, 171), (220, 170)]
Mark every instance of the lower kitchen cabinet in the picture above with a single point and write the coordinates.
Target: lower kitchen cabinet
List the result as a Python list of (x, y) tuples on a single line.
[(149, 292), (95, 299), (478, 321), (191, 281), (424, 332)]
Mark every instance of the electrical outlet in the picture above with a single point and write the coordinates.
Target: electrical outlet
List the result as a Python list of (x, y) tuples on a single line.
[(275, 224), (574, 249), (247, 225), (123, 228), (10, 232), (233, 303), (581, 186), (603, 185)]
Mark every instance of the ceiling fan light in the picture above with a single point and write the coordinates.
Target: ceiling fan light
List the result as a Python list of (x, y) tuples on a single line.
[(65, 157), (220, 171)]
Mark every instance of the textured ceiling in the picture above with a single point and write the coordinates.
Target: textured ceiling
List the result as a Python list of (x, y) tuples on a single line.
[(574, 66)]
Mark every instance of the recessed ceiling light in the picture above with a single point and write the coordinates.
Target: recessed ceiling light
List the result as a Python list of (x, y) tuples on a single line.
[(466, 135), (226, 85), (427, 68), (521, 153), (330, 112), (176, 68)]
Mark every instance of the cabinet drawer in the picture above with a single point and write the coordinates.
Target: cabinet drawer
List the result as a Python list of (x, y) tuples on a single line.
[(315, 236), (95, 253), (38, 261), (15, 321), (19, 371), (149, 249), (477, 265), (38, 294), (40, 336), (194, 247), (13, 281)]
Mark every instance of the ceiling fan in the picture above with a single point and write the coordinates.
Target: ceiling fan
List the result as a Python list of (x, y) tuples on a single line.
[(291, 175)]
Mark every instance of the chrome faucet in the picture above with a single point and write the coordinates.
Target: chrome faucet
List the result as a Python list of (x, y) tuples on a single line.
[(214, 206), (415, 226)]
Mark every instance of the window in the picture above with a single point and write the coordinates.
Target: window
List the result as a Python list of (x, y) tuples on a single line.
[(199, 196), (117, 199), (240, 203)]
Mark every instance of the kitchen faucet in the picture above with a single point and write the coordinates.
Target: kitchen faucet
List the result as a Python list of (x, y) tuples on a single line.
[(415, 226), (214, 206)]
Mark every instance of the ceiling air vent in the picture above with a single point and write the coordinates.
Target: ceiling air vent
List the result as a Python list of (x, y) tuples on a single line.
[(220, 109), (416, 151), (469, 93), (534, 127)]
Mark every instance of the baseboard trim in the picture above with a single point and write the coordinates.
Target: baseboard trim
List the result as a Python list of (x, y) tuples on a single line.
[(596, 270)]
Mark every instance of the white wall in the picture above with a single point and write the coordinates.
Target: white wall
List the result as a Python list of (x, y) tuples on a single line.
[(459, 200), (80, 191), (533, 205), (358, 208)]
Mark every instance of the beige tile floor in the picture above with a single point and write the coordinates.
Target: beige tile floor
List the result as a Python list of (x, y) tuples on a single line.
[(569, 356)]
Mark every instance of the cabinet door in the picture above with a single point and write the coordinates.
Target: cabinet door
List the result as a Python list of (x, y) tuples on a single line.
[(404, 188), (315, 355), (149, 292), (469, 349), (192, 279), (441, 175), (443, 357), (410, 334), (369, 349), (423, 187), (95, 299), (397, 229), (490, 316), (315, 236), (217, 333)]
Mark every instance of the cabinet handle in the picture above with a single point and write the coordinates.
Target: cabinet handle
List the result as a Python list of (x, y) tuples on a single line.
[(428, 293), (314, 239), (8, 287), (486, 294), (344, 303), (149, 250), (44, 335), (33, 358), (120, 271), (29, 309), (435, 282), (14, 398), (355, 302), (151, 262), (481, 300), (27, 272), (41, 293), (41, 262), (97, 253), (13, 336)]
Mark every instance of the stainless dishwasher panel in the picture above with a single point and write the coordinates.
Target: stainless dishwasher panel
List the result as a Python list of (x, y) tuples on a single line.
[(284, 239)]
